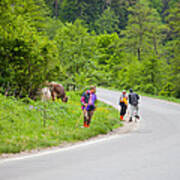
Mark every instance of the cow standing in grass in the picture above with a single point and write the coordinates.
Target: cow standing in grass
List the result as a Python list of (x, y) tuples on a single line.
[(54, 90)]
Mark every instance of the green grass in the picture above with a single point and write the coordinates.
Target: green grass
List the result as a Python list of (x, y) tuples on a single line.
[(32, 125)]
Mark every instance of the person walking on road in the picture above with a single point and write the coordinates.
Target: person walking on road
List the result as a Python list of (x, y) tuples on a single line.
[(134, 108), (88, 100), (123, 104)]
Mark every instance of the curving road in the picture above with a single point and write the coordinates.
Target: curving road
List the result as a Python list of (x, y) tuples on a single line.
[(152, 152)]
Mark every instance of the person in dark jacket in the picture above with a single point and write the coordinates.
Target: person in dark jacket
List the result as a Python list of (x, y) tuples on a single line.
[(133, 102)]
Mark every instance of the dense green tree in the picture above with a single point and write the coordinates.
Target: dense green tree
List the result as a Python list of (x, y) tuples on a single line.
[(136, 45), (129, 75), (150, 76), (53, 26), (143, 32), (76, 49), (172, 47), (90, 10), (109, 58), (26, 55), (107, 22), (120, 7), (86, 10), (35, 12), (163, 6)]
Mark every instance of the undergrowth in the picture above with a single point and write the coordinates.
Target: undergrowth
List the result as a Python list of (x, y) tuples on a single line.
[(27, 124)]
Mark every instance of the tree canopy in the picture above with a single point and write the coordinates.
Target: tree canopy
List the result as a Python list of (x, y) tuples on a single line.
[(118, 43)]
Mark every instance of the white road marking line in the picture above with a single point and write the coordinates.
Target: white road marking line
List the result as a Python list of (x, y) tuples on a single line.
[(109, 103), (63, 149), (71, 147)]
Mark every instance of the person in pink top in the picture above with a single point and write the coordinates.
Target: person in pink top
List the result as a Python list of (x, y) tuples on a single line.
[(88, 100)]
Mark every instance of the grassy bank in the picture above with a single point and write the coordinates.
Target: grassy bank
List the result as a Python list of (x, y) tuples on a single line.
[(26, 126)]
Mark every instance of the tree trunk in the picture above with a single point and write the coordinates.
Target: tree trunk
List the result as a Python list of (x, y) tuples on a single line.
[(155, 45), (139, 53), (56, 8)]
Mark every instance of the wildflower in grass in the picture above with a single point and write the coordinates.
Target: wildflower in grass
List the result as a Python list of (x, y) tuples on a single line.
[(31, 107), (23, 129)]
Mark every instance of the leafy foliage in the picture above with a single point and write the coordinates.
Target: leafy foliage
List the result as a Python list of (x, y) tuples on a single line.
[(113, 43), (107, 22), (76, 48), (117, 43), (27, 55)]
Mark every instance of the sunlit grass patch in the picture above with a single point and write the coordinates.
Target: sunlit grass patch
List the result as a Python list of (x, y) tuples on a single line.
[(32, 125)]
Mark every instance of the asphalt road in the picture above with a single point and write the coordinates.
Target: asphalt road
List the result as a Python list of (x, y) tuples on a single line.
[(151, 152)]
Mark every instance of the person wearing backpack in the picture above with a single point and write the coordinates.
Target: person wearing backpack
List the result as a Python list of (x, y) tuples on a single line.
[(123, 104), (88, 100), (133, 101)]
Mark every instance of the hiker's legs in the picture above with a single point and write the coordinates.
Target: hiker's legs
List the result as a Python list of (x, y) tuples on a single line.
[(136, 111), (123, 111), (85, 117), (132, 109), (90, 114)]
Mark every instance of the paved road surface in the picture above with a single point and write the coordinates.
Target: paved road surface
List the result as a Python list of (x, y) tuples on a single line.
[(150, 153)]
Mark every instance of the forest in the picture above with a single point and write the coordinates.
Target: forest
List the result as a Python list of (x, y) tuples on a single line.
[(110, 43)]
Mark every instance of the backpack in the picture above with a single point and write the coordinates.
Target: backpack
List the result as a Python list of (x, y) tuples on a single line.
[(86, 95), (134, 99)]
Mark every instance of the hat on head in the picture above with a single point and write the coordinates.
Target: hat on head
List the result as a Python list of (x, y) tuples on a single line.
[(92, 87), (124, 91), (131, 90)]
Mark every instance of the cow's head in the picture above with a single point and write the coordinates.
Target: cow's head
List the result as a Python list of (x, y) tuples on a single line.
[(65, 99)]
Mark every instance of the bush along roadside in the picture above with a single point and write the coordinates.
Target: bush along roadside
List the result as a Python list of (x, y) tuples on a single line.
[(26, 124)]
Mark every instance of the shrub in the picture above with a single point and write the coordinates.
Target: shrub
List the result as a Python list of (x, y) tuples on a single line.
[(149, 88)]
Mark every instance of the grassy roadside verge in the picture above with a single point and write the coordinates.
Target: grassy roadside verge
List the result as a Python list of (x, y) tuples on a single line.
[(171, 99), (36, 124)]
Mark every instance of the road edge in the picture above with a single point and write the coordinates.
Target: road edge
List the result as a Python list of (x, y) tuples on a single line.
[(116, 133)]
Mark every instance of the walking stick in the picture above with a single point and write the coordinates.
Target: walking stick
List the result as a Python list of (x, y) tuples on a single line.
[(77, 122)]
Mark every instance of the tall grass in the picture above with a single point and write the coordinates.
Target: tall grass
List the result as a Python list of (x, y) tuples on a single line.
[(26, 124)]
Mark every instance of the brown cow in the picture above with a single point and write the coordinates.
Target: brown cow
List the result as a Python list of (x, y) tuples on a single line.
[(57, 90)]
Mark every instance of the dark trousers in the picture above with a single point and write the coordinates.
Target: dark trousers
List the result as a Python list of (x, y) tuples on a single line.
[(123, 109), (87, 116)]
